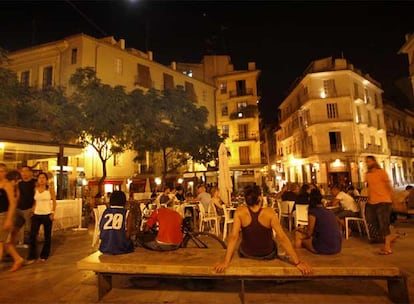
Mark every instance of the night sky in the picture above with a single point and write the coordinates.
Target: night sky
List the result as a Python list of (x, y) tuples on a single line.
[(282, 37)]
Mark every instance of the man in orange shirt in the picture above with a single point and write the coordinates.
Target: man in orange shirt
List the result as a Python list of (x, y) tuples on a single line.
[(379, 207), (169, 235)]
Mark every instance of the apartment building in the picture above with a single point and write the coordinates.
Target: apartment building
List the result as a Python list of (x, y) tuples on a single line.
[(52, 64), (236, 113), (332, 118), (400, 136), (408, 48)]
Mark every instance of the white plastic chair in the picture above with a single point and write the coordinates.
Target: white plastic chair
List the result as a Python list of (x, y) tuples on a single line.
[(361, 201), (301, 217), (228, 219), (98, 215), (208, 218), (285, 211)]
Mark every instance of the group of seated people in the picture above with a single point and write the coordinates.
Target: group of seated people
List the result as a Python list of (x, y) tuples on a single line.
[(256, 223)]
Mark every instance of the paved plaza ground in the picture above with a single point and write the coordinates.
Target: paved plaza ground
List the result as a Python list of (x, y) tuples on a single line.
[(58, 280)]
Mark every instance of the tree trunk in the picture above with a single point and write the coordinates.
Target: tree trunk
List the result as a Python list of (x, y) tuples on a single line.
[(165, 164), (102, 179)]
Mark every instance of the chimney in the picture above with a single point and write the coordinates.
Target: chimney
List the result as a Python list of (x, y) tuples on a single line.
[(174, 65), (121, 44), (149, 53), (251, 66)]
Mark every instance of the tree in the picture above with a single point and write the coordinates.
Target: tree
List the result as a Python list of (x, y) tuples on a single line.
[(171, 124), (102, 116)]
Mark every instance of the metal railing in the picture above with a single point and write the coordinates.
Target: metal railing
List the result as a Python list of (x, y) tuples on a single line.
[(242, 92)]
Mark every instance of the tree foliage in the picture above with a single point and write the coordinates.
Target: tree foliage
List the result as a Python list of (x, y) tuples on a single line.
[(170, 123), (102, 115)]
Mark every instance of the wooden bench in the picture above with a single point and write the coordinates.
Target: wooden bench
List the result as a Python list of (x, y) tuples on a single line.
[(198, 264)]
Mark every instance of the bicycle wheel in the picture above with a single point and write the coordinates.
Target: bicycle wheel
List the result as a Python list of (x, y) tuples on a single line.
[(203, 240)]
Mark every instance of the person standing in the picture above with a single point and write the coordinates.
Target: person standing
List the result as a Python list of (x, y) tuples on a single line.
[(7, 209), (25, 201), (379, 206), (43, 214)]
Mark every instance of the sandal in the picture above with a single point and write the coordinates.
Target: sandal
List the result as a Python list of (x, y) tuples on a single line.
[(385, 252)]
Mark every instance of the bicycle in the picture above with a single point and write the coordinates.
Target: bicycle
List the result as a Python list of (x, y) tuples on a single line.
[(191, 238)]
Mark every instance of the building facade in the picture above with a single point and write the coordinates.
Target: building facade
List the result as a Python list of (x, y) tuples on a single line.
[(52, 64), (331, 120), (236, 113), (400, 136), (408, 48)]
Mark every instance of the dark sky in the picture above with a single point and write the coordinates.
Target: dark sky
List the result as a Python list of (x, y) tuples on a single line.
[(283, 37)]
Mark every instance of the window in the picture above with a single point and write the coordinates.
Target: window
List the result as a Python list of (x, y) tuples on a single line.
[(329, 88), (168, 81), (243, 131), (358, 118), (362, 140), (309, 144), (332, 110), (241, 105), (47, 77), (244, 155), (225, 130), (369, 118), (223, 87), (144, 76), (356, 91), (189, 88), (335, 141), (189, 73), (117, 161), (241, 87), (376, 100), (378, 121), (224, 110), (74, 56), (118, 66), (25, 78), (366, 95)]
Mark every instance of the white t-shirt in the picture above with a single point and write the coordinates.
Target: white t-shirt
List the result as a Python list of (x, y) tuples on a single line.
[(347, 202), (43, 203)]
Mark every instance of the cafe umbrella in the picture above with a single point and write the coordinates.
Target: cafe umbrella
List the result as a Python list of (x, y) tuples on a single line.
[(224, 181)]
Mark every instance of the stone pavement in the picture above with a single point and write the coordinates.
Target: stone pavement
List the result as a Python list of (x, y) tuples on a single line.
[(58, 281)]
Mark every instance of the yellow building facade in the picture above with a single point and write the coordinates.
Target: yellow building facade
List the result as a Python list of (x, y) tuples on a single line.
[(408, 48), (400, 136), (52, 64), (236, 113), (331, 120)]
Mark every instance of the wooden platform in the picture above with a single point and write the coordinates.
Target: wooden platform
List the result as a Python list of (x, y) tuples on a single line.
[(198, 263)]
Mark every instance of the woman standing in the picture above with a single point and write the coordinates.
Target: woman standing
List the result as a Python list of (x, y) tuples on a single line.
[(43, 214), (7, 210)]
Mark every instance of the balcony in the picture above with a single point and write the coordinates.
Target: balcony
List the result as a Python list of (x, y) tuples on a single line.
[(373, 149), (336, 147), (395, 152), (246, 137), (250, 111), (240, 93), (318, 119)]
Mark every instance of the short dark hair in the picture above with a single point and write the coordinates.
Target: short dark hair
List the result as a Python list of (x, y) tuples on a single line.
[(315, 198), (118, 198), (251, 194), (409, 187)]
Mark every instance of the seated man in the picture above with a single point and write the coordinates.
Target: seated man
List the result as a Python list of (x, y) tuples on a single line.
[(347, 204), (115, 226), (257, 225), (169, 235)]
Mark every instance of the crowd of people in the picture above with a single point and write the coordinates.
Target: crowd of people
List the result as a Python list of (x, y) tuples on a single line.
[(28, 204), (258, 229)]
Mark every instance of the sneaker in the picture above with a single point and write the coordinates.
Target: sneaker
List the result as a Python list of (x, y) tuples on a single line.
[(29, 262), (42, 260)]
